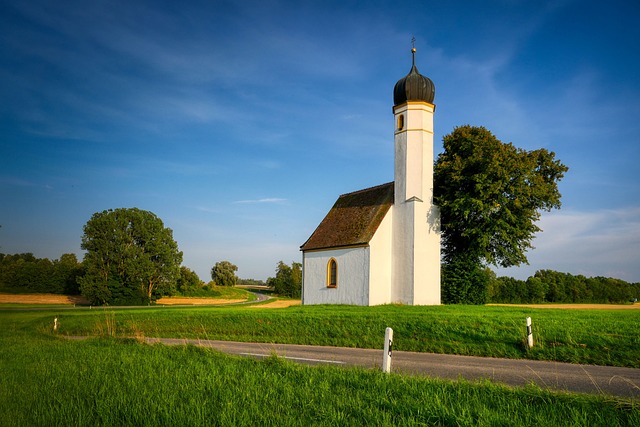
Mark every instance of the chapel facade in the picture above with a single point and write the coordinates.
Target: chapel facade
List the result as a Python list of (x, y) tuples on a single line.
[(381, 245)]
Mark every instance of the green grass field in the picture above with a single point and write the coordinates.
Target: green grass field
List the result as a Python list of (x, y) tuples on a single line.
[(47, 381), (222, 292), (600, 337)]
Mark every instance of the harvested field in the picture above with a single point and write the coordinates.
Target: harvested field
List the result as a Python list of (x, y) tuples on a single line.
[(575, 306), (77, 299), (42, 299), (278, 304), (196, 301)]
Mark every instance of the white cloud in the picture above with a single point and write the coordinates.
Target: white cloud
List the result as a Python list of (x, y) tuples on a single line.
[(598, 243)]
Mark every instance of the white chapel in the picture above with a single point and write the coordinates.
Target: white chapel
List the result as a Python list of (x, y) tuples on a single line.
[(381, 245)]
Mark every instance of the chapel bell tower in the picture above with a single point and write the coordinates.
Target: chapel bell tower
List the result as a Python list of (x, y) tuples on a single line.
[(416, 220)]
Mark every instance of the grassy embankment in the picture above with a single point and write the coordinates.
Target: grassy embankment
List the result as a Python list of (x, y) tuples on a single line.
[(600, 337), (48, 381)]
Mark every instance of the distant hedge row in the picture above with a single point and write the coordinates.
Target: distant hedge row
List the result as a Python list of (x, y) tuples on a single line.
[(552, 286), (24, 273)]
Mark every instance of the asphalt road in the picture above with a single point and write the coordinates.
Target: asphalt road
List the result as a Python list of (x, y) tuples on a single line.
[(622, 382)]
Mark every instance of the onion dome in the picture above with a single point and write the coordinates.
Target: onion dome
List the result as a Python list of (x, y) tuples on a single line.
[(413, 87)]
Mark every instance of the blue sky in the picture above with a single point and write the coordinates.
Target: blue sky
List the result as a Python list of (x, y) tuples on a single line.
[(239, 123)]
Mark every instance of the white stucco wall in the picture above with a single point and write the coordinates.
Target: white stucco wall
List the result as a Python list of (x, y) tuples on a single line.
[(380, 248), (413, 161), (416, 241), (353, 276), (426, 289)]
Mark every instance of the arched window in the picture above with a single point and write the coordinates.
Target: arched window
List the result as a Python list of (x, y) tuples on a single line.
[(332, 273), (400, 122)]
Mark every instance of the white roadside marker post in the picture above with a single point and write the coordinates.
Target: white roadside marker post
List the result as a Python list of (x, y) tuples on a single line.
[(388, 348), (55, 323), (529, 333)]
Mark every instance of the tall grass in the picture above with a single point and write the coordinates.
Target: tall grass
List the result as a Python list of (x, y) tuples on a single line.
[(47, 381), (602, 337)]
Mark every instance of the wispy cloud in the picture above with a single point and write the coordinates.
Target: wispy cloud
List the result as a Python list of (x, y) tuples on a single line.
[(208, 210), (265, 200), (12, 181), (597, 243)]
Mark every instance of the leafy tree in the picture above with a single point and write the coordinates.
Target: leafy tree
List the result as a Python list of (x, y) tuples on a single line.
[(34, 276), (223, 273), (490, 195), (131, 257), (26, 273), (188, 281), (288, 280), (464, 282), (66, 271), (536, 290)]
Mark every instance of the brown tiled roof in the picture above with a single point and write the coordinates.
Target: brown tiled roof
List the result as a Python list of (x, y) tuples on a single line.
[(353, 219)]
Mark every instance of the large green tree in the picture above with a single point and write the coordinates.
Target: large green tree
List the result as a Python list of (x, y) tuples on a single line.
[(188, 281), (131, 257), (223, 273), (288, 280), (490, 195)]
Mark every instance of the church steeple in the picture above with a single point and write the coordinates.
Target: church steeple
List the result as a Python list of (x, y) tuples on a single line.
[(416, 234), (414, 86)]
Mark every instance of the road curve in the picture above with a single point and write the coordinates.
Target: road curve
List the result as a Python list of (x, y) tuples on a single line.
[(621, 382)]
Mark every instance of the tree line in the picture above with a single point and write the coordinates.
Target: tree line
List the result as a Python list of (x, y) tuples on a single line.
[(24, 273), (547, 286), (131, 259)]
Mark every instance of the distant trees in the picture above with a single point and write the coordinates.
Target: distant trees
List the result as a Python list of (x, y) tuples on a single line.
[(251, 282), (490, 195), (131, 257), (223, 273), (66, 272), (288, 280), (24, 273), (552, 286)]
